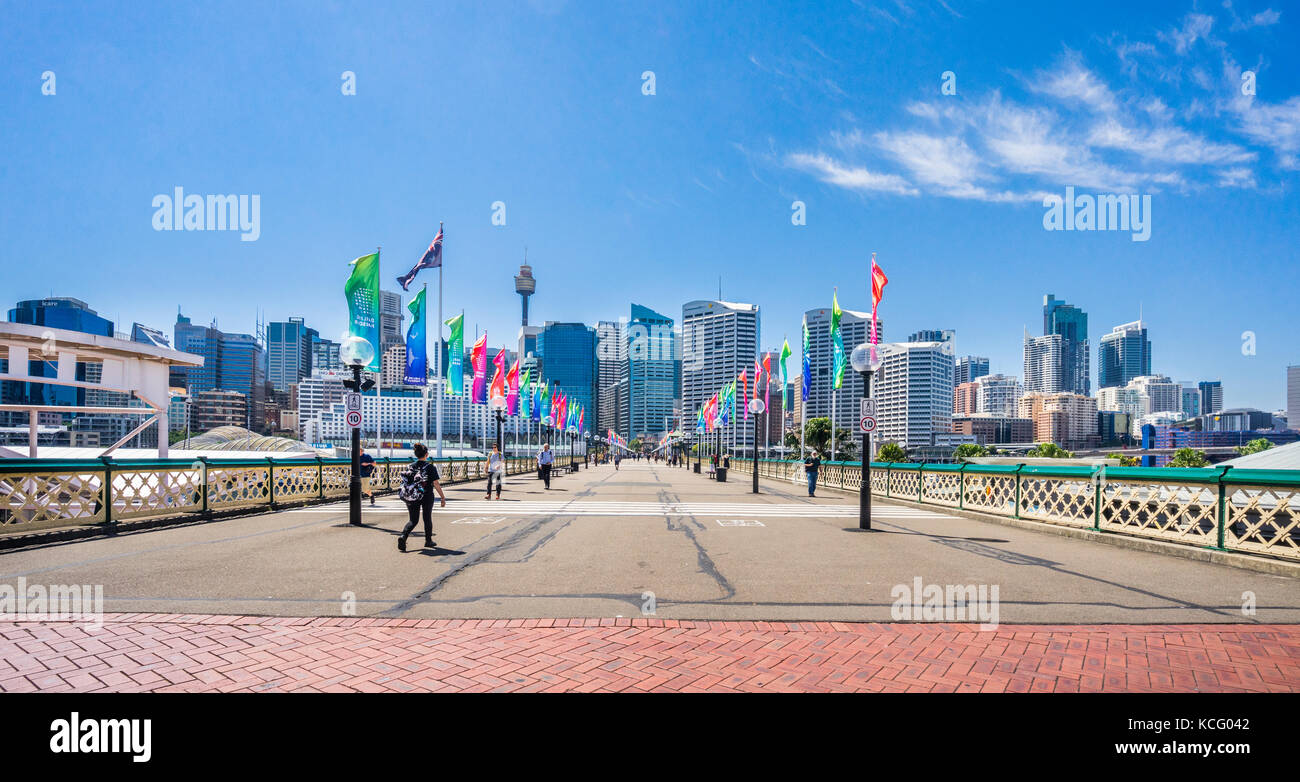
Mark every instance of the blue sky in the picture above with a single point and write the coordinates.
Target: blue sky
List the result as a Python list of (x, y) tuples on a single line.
[(621, 196)]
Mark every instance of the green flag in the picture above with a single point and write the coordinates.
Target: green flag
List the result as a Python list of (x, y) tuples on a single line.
[(362, 292), (837, 341), (785, 377), (456, 356), (527, 391)]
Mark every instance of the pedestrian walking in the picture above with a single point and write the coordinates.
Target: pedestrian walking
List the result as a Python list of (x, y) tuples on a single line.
[(496, 470), (367, 471), (545, 458), (418, 485), (810, 467), (617, 458)]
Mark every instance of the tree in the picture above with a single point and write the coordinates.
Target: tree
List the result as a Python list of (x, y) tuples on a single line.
[(817, 435), (1124, 461), (891, 452), (1188, 457), (792, 440), (970, 451), (1254, 446), (635, 445), (175, 437), (1049, 451)]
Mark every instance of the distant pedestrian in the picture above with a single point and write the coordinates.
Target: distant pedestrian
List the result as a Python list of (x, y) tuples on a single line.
[(419, 482), (810, 467), (367, 472), (496, 470), (617, 458), (544, 461)]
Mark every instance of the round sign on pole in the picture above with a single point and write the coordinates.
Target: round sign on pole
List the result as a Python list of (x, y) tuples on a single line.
[(354, 419), (867, 424)]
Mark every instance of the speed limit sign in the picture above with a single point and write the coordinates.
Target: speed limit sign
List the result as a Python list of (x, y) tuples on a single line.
[(867, 424), (354, 419)]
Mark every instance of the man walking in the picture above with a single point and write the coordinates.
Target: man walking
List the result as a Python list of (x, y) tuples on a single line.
[(810, 467), (544, 461), (496, 470), (367, 470), (419, 482)]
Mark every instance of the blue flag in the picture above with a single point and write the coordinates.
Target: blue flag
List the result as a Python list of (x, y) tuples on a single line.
[(417, 360)]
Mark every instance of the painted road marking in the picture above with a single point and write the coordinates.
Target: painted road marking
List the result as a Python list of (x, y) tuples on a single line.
[(740, 523)]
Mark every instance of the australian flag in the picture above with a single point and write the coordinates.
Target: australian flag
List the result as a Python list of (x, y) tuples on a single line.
[(432, 259)]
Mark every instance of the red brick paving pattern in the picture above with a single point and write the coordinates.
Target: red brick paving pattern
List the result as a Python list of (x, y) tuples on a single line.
[(174, 653)]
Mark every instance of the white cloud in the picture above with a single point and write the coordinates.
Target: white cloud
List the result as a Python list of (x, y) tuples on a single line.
[(851, 177), (1195, 27), (1167, 144)]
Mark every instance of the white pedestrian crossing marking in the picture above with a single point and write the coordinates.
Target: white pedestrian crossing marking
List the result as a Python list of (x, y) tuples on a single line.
[(725, 510)]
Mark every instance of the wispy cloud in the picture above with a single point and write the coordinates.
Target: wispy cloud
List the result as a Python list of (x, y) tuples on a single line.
[(857, 178)]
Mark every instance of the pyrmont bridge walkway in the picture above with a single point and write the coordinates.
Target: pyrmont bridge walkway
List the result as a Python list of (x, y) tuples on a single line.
[(644, 578)]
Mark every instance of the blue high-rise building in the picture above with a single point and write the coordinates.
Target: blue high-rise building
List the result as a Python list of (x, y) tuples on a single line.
[(568, 352), (289, 349), (1125, 353), (231, 362), (54, 313), (1072, 324), (653, 372)]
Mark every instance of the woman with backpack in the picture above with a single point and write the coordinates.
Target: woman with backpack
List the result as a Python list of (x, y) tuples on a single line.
[(496, 470), (419, 482)]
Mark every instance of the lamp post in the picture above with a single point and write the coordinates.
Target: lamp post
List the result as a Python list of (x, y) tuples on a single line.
[(355, 353), (756, 408), (865, 361), (547, 423), (573, 444), (498, 405)]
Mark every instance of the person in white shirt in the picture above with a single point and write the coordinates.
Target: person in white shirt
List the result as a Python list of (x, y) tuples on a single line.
[(545, 458), (496, 465)]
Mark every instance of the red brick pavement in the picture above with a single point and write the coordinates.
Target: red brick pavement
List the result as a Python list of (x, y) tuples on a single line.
[(169, 652)]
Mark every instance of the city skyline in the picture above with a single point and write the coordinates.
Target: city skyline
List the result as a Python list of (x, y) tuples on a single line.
[(591, 189)]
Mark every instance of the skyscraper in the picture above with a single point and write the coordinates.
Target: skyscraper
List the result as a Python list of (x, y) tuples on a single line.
[(914, 393), (652, 372), (289, 352), (569, 359), (1072, 324), (611, 369), (1212, 397), (930, 335), (390, 320), (324, 354), (1125, 353), (997, 395), (54, 313), (1292, 396), (969, 368), (855, 328), (1044, 363), (719, 339), (231, 362)]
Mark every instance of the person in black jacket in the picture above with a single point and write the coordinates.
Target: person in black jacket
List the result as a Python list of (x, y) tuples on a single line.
[(422, 471), (810, 467)]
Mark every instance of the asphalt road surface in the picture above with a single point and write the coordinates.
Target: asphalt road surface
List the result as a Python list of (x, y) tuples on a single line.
[(645, 540)]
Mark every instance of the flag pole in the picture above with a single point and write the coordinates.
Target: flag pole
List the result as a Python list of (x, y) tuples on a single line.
[(424, 389), (379, 377), (803, 397), (442, 371)]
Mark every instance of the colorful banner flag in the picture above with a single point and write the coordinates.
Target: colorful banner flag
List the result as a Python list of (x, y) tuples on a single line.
[(478, 358), (785, 377), (837, 342), (878, 283), (498, 389), (512, 389), (417, 360), (362, 293), (767, 389), (431, 259), (526, 389), (744, 392), (807, 362), (456, 356)]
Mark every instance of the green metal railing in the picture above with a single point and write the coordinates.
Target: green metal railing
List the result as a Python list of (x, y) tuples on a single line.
[(1224, 508), (40, 494)]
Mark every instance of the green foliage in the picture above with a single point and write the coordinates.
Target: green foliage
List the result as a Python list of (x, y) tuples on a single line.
[(891, 452), (1254, 446), (817, 436), (970, 451), (1124, 461), (1049, 451), (1188, 457), (175, 437)]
